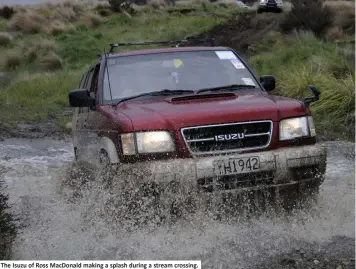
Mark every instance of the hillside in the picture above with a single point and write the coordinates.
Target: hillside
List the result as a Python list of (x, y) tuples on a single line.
[(47, 48)]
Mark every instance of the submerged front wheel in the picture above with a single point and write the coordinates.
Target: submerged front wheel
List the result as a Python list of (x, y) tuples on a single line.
[(104, 160), (107, 170)]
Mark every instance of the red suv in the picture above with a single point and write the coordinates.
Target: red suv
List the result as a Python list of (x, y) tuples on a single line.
[(198, 115)]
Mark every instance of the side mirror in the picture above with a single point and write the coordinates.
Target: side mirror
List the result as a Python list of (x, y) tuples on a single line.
[(80, 98), (316, 92), (268, 82)]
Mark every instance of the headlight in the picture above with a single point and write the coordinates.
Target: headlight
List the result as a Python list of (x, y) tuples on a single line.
[(147, 142), (296, 127)]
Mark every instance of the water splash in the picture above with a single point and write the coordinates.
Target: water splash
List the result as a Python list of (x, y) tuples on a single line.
[(81, 220)]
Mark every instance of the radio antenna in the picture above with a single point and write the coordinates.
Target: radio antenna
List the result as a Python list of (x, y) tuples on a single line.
[(107, 73)]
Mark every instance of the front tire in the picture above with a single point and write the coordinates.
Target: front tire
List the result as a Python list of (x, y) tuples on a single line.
[(107, 170), (104, 160)]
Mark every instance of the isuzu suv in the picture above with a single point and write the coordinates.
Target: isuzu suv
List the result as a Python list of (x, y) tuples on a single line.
[(196, 115)]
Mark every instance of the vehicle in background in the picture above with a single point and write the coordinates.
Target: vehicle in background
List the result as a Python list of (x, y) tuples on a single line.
[(270, 6)]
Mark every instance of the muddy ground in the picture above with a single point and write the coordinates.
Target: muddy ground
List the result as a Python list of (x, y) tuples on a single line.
[(243, 31)]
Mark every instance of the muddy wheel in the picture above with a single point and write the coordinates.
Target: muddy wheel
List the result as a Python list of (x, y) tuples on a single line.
[(104, 159), (106, 169)]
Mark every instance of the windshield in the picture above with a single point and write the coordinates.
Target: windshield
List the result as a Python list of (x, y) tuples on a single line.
[(192, 70)]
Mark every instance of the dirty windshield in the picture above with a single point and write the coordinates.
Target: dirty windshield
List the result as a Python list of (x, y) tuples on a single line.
[(192, 70)]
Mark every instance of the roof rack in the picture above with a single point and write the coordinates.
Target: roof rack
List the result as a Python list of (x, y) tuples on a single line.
[(170, 42)]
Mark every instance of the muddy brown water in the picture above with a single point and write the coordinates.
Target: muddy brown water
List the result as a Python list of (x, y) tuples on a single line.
[(58, 228)]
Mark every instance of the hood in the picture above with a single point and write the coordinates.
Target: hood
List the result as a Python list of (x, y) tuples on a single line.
[(175, 113)]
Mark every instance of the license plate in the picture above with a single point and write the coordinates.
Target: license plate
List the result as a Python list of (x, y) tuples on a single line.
[(236, 166)]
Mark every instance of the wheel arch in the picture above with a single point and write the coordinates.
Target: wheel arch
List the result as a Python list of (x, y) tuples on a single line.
[(109, 146)]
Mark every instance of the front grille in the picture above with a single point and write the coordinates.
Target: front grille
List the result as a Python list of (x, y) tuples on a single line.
[(236, 181), (228, 137)]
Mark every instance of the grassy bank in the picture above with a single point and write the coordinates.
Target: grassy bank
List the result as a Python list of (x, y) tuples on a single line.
[(37, 93), (57, 43), (301, 59)]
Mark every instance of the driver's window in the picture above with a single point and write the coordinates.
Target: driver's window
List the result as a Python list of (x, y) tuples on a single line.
[(89, 80), (95, 82), (87, 87), (82, 81)]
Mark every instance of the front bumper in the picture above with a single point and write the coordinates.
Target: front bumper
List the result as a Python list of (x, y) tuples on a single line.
[(272, 7), (281, 168)]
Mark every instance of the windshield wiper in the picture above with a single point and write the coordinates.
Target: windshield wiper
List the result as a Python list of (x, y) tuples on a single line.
[(227, 87), (164, 92)]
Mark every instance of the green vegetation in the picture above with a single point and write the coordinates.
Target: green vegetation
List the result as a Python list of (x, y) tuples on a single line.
[(60, 41), (37, 97), (300, 60), (41, 96)]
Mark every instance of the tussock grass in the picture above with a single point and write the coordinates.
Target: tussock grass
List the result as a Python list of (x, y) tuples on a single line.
[(35, 48), (12, 59), (56, 28), (28, 22), (301, 60), (92, 20), (334, 33), (50, 62), (344, 15), (64, 13), (5, 39)]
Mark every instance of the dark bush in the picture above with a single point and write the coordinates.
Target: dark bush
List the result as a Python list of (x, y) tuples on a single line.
[(8, 227), (309, 15), (6, 12)]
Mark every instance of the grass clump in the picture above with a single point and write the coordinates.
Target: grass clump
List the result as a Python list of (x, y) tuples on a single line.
[(303, 59), (5, 39), (343, 14), (50, 62), (92, 20), (12, 59), (36, 48), (65, 14), (56, 28), (28, 22)]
